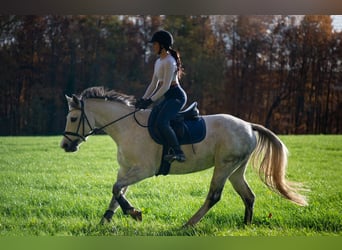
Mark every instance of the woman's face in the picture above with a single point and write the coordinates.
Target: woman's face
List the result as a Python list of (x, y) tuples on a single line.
[(156, 47)]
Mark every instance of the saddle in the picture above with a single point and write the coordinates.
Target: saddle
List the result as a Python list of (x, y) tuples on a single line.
[(188, 125)]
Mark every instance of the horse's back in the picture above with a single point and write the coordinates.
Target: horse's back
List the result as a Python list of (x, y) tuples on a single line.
[(227, 138), (234, 133)]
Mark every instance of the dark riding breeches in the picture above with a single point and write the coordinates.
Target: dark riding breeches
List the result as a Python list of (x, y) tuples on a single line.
[(175, 99)]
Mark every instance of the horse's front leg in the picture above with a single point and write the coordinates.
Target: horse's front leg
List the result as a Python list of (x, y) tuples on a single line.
[(129, 173), (113, 206), (125, 205)]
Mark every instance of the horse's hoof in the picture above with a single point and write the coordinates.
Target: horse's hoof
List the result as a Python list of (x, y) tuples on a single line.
[(136, 214), (107, 217), (104, 221), (187, 226), (191, 223)]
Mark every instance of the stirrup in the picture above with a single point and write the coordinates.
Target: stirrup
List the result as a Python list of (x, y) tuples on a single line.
[(180, 157)]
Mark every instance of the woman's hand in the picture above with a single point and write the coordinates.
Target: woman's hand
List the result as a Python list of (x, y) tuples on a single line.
[(143, 103)]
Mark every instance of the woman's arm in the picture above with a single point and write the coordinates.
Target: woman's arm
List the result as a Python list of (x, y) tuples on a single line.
[(151, 88)]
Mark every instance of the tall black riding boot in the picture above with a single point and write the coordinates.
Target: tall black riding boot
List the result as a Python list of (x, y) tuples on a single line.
[(175, 152)]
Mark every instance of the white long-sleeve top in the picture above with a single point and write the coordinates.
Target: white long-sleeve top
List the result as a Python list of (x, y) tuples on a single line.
[(165, 72)]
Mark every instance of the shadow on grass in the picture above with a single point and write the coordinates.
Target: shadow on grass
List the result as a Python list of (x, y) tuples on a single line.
[(213, 224)]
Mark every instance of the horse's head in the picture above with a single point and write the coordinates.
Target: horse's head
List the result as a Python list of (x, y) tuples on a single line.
[(77, 127)]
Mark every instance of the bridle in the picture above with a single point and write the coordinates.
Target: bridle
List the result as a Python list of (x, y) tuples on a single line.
[(84, 120)]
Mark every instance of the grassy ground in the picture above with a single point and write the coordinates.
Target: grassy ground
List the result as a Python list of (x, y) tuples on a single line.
[(45, 191)]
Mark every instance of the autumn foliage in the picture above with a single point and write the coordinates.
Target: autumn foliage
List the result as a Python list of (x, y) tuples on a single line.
[(280, 71)]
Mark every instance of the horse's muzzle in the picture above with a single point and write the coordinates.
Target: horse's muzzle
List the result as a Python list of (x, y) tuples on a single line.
[(72, 147)]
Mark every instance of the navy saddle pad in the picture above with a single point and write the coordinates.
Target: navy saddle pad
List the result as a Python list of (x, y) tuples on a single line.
[(188, 126)]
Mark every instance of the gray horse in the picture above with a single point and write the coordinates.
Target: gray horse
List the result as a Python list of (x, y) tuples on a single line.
[(230, 143)]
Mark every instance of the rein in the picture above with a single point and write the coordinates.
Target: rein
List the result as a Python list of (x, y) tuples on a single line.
[(111, 123), (92, 131), (136, 120)]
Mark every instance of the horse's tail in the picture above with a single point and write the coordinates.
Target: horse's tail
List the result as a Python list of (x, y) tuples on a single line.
[(271, 155)]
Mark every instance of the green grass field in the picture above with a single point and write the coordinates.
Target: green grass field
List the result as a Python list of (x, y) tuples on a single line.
[(44, 191)]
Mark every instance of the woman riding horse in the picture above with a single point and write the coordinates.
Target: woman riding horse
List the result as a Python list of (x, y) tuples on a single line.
[(165, 83)]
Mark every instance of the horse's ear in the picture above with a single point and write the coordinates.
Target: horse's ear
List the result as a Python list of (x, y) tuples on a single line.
[(73, 101), (69, 99), (76, 100)]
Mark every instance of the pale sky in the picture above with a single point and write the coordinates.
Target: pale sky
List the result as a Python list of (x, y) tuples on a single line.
[(337, 22)]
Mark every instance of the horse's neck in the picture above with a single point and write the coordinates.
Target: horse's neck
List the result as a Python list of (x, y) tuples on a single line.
[(105, 112)]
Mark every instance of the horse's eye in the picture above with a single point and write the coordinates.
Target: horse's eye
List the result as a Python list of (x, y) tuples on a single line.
[(73, 119)]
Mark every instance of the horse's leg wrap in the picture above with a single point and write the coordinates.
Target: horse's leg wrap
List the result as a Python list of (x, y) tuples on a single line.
[(108, 215), (124, 204), (128, 209)]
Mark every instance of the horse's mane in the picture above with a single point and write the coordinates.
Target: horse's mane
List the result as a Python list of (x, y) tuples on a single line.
[(111, 95)]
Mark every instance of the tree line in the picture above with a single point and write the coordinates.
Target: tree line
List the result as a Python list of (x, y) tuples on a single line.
[(280, 71)]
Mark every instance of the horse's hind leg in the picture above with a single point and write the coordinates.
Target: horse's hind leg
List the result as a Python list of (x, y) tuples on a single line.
[(216, 186), (113, 206), (241, 187)]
